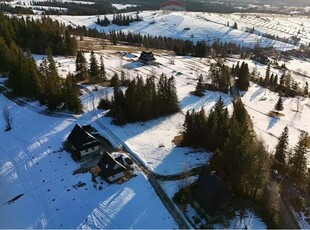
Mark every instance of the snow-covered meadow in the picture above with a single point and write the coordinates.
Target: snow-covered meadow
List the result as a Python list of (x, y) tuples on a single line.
[(197, 26)]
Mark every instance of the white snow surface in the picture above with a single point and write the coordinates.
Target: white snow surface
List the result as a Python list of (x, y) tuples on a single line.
[(31, 164), (209, 27)]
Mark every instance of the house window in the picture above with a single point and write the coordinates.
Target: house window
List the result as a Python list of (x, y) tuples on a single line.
[(86, 150), (93, 148)]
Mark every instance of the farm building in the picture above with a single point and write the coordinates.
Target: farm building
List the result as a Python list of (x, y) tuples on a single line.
[(110, 167), (172, 5), (147, 58), (83, 142)]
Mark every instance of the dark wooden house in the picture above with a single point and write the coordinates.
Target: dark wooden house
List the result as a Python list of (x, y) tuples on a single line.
[(147, 58), (211, 193), (83, 142), (110, 168)]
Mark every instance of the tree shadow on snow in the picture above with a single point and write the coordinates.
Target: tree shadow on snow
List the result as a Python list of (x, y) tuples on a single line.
[(272, 122), (258, 92), (133, 65)]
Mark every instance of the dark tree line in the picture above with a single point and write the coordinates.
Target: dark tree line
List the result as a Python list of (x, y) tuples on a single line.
[(25, 79), (123, 20), (220, 74), (293, 161), (103, 22), (4, 7), (207, 132), (74, 8), (37, 35), (144, 100), (58, 93), (179, 46), (118, 19), (285, 84), (240, 160)]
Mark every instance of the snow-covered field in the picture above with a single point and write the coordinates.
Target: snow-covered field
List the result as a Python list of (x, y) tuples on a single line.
[(209, 27)]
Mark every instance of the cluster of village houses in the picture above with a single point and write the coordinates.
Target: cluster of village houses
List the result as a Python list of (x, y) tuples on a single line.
[(84, 142), (210, 192)]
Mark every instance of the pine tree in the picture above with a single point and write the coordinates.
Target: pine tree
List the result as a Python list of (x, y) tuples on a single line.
[(118, 107), (281, 148), (70, 44), (53, 86), (282, 79), (298, 161), (240, 113), (199, 87), (255, 170), (72, 101), (194, 126), (271, 81), (93, 68), (267, 76), (33, 85), (275, 80), (224, 79), (243, 75), (306, 89), (173, 103), (279, 104), (115, 80), (81, 66), (102, 73), (235, 26), (217, 127)]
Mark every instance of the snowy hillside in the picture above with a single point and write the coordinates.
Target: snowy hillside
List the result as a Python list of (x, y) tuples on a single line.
[(197, 26), (33, 166)]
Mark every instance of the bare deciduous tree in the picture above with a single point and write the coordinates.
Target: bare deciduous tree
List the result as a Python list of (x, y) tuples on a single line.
[(7, 118)]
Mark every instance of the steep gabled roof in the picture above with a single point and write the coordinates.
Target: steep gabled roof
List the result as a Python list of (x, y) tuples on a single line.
[(81, 139), (149, 56), (110, 166), (211, 191)]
